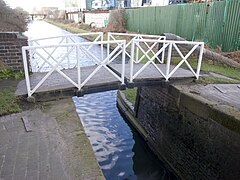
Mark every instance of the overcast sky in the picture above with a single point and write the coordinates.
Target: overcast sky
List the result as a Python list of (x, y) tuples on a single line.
[(30, 4)]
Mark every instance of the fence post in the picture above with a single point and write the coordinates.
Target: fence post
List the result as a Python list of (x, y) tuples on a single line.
[(78, 68), (137, 50), (123, 61), (108, 45), (67, 52), (200, 60), (131, 61), (25, 65), (31, 55), (101, 47), (163, 52), (168, 61)]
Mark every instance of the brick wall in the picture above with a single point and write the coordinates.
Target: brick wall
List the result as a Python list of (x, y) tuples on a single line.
[(11, 50), (187, 134)]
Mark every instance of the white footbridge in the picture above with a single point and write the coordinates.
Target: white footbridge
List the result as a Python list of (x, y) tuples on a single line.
[(70, 63)]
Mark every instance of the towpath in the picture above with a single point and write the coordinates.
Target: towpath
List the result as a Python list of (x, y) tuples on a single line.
[(55, 147)]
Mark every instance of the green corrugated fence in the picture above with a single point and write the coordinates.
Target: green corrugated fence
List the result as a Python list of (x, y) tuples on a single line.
[(216, 23)]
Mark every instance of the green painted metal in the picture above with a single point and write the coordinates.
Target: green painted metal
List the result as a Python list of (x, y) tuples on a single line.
[(215, 23), (231, 28)]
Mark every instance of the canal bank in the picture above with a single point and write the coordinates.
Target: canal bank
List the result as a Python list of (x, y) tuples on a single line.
[(197, 135), (46, 142)]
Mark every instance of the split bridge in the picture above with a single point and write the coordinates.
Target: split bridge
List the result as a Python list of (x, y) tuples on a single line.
[(72, 64)]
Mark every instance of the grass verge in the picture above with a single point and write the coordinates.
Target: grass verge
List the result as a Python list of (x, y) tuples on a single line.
[(215, 80), (8, 73), (76, 29), (209, 66), (8, 102), (131, 95), (223, 70), (69, 28)]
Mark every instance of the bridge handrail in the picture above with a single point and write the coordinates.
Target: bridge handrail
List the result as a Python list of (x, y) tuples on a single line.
[(169, 41), (67, 35), (68, 38), (111, 35), (132, 34), (101, 63), (170, 44), (70, 44), (138, 45)]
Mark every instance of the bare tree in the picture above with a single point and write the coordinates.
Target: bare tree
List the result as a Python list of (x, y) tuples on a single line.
[(12, 19)]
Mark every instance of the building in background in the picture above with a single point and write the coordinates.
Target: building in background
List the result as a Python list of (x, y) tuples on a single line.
[(82, 5), (76, 5), (160, 2), (96, 12)]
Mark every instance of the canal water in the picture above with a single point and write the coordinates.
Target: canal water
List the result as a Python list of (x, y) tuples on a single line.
[(121, 152)]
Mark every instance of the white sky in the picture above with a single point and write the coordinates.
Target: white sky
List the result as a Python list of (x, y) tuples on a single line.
[(30, 4)]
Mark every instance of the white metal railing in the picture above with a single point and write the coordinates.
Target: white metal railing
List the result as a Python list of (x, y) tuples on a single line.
[(70, 37), (167, 72), (56, 50), (80, 48), (70, 53), (149, 47)]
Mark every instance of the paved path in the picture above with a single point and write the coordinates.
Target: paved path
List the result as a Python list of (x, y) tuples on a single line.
[(228, 94), (56, 148), (103, 78)]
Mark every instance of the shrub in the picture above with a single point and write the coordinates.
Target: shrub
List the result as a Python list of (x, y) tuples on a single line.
[(117, 22)]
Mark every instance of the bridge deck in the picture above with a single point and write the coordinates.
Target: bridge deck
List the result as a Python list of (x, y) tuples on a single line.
[(103, 78)]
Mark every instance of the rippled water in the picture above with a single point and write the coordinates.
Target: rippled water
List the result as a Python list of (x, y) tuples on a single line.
[(121, 153)]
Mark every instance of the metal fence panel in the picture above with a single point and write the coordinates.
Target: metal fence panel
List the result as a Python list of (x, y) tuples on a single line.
[(130, 19), (215, 23), (213, 34), (231, 29), (162, 14)]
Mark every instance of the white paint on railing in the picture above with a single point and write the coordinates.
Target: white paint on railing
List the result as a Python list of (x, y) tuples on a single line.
[(50, 52), (67, 36), (140, 47), (80, 48), (136, 43), (115, 36)]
